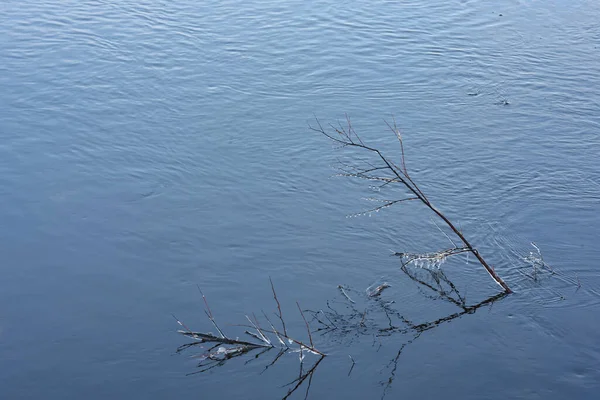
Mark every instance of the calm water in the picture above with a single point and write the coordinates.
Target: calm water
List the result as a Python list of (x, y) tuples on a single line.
[(149, 146)]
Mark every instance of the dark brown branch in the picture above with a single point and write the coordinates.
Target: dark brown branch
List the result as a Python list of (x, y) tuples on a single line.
[(209, 313), (307, 326), (278, 307), (401, 175)]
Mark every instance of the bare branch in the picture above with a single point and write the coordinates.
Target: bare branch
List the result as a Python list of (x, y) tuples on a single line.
[(209, 313), (260, 335), (400, 175), (278, 307), (291, 339), (307, 326), (281, 341)]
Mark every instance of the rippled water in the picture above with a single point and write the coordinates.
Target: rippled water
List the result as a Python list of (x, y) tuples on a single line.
[(149, 146)]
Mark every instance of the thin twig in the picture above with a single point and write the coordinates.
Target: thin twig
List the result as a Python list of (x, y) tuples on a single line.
[(345, 294), (209, 313), (281, 341), (278, 307), (182, 324), (307, 326), (444, 233), (291, 339), (381, 207)]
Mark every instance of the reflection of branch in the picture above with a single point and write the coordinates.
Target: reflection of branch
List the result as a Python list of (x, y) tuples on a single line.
[(366, 313), (298, 381), (353, 364), (277, 357), (438, 276), (468, 310), (391, 321), (420, 328), (394, 362)]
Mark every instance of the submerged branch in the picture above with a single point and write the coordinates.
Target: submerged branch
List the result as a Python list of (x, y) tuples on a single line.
[(378, 319), (226, 348), (209, 338)]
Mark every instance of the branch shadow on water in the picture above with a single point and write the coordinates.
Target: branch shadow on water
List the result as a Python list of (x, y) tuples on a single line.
[(354, 314)]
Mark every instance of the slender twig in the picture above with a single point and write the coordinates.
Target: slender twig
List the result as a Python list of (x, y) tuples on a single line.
[(258, 355), (182, 324), (307, 326), (328, 319), (302, 378), (260, 335), (291, 339), (444, 233), (277, 357), (345, 294), (278, 307), (381, 207), (209, 313), (281, 341)]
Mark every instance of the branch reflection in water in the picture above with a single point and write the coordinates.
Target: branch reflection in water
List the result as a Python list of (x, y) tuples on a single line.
[(341, 320)]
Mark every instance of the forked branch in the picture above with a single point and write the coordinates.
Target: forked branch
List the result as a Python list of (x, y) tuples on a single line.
[(389, 173)]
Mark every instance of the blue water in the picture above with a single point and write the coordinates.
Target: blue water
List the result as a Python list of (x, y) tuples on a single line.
[(150, 146)]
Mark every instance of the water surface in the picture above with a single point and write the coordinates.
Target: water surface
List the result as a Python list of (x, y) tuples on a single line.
[(149, 146)]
